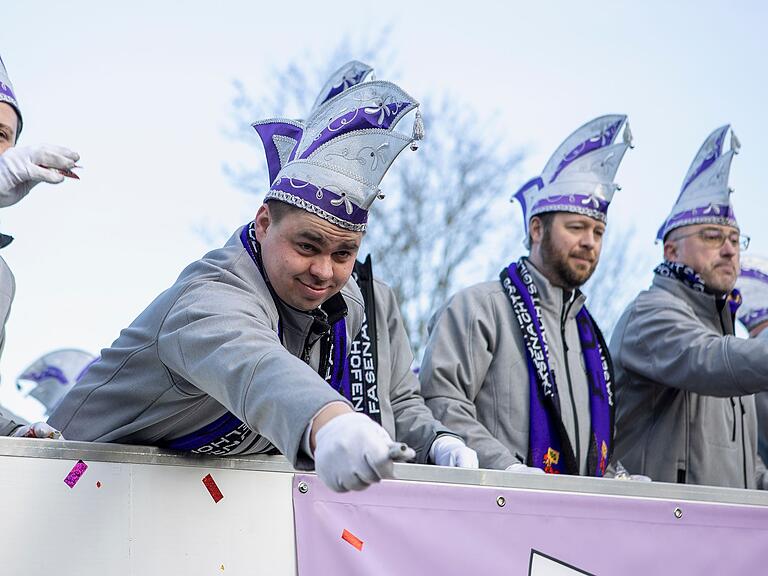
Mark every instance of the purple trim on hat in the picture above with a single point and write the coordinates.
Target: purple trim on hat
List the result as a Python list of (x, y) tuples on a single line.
[(572, 203), (754, 318), (520, 196), (754, 274), (605, 138), (266, 131), (708, 161), (380, 117), (713, 214), (323, 198), (345, 83), (6, 90)]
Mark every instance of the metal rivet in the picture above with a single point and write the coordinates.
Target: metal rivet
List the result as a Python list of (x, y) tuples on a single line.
[(303, 487), (501, 501), (678, 513)]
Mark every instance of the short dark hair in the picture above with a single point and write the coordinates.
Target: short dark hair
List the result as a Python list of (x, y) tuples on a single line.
[(278, 209)]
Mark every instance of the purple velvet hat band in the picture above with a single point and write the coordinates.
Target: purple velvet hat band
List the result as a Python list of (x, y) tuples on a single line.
[(332, 206), (712, 214), (591, 206)]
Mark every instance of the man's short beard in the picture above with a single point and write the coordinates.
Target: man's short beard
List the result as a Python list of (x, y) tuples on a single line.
[(558, 265)]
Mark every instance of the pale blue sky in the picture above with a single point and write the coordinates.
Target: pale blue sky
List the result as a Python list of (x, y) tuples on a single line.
[(142, 90)]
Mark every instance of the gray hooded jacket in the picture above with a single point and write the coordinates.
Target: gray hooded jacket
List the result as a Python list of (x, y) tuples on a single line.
[(208, 345), (474, 375), (684, 385)]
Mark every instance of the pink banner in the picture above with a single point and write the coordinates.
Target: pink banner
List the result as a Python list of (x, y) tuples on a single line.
[(413, 528)]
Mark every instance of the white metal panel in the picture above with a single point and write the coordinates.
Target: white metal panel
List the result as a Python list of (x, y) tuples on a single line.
[(179, 529), (50, 528)]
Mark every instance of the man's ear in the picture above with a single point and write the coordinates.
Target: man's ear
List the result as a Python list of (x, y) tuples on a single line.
[(263, 221), (670, 250), (535, 230)]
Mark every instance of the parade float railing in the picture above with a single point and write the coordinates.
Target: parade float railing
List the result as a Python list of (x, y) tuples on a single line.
[(74, 508)]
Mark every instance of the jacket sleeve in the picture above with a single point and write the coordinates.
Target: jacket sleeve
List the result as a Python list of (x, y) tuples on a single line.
[(665, 342), (414, 423), (220, 338), (456, 360)]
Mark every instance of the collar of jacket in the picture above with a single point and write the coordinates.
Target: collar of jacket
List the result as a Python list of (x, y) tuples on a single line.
[(704, 305), (552, 297)]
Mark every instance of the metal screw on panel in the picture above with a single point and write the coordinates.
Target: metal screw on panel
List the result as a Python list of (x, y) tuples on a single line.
[(303, 487), (678, 513), (501, 501)]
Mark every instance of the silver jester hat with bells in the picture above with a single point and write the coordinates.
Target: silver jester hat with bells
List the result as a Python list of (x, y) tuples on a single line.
[(332, 163)]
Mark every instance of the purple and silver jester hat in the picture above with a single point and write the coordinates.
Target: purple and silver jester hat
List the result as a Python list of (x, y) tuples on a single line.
[(705, 195), (579, 175), (331, 164), (7, 94), (753, 285)]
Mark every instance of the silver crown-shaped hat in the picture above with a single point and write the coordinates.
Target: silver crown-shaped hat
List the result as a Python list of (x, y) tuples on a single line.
[(331, 164), (705, 197), (579, 175), (7, 94), (753, 286)]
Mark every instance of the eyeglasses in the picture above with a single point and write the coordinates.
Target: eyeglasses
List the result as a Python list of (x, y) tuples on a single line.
[(714, 238)]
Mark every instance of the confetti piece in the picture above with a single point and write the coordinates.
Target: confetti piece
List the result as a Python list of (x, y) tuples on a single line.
[(98, 484), (352, 539), (210, 483), (74, 474), (221, 567)]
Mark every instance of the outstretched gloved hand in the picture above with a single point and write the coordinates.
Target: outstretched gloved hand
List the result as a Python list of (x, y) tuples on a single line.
[(352, 452), (520, 468), (37, 430), (448, 450), (22, 168)]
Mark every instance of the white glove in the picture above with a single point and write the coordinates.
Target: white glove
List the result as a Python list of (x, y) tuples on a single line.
[(23, 168), (352, 452), (520, 468), (451, 451), (37, 430)]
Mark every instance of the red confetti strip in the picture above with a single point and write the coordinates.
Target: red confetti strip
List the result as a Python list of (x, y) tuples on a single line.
[(352, 539), (210, 483), (74, 475)]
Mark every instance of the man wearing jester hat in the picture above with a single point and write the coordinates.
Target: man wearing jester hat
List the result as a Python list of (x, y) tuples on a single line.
[(21, 169), (246, 353), (684, 382), (753, 314), (378, 380), (518, 366)]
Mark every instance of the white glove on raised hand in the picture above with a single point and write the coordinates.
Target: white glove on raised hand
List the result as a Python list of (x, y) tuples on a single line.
[(37, 430), (23, 168), (451, 451), (520, 468), (352, 452)]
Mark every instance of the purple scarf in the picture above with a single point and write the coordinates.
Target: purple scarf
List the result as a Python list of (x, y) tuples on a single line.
[(549, 446)]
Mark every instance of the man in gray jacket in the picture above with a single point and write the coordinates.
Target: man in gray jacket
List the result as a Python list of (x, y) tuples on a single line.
[(518, 367), (684, 382), (20, 170)]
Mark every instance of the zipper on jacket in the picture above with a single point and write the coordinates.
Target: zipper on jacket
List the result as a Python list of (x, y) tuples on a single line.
[(576, 441), (743, 445), (733, 428)]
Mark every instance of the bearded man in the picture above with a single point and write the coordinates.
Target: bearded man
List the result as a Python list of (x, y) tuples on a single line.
[(684, 382), (518, 367)]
